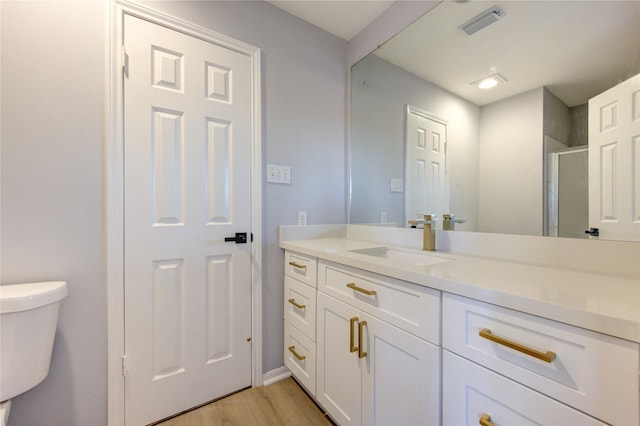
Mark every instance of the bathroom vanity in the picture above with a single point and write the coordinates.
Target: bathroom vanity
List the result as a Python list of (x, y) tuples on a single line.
[(381, 333)]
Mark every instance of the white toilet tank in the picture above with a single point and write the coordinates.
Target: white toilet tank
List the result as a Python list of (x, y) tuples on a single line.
[(28, 319)]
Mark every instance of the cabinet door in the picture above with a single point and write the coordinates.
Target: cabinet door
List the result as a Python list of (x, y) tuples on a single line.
[(338, 369), (400, 377), (471, 392)]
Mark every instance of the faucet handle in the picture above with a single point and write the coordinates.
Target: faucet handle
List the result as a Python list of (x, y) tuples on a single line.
[(449, 220), (427, 219)]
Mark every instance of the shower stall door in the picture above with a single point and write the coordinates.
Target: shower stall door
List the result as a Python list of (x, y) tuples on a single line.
[(569, 193)]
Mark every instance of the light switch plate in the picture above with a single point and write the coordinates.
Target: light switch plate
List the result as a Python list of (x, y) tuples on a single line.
[(397, 185), (278, 174)]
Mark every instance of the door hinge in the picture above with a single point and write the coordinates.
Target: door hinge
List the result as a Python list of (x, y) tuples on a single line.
[(123, 371), (125, 61)]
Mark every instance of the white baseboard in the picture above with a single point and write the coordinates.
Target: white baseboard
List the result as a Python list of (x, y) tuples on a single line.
[(275, 375)]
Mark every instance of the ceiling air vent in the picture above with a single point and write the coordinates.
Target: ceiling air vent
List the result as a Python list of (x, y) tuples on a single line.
[(486, 18)]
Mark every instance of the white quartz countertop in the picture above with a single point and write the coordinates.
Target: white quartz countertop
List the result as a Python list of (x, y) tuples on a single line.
[(598, 302)]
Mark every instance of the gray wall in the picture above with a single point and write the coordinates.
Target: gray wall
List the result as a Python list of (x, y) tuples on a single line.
[(511, 165), (556, 117), (380, 93), (53, 158), (579, 134)]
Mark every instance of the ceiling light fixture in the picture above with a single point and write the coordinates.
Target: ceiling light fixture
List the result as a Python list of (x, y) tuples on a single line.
[(490, 81), (483, 20)]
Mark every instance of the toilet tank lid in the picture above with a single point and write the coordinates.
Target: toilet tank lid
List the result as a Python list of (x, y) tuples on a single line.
[(21, 297)]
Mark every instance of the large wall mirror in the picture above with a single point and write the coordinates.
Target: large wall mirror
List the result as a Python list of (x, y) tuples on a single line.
[(513, 158)]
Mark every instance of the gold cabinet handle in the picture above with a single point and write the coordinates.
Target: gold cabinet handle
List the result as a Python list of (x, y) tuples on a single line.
[(297, 305), (548, 356), (353, 286), (352, 347), (485, 420), (297, 265), (292, 349), (361, 325)]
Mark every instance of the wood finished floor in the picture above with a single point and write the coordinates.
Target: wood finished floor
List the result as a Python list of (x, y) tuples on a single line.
[(281, 403)]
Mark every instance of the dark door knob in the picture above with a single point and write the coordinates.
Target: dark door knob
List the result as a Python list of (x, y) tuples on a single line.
[(594, 232), (240, 238)]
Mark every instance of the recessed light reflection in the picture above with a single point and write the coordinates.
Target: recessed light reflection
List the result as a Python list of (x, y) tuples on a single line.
[(487, 83)]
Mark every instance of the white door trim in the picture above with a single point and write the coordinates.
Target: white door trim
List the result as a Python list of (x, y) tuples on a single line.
[(116, 366)]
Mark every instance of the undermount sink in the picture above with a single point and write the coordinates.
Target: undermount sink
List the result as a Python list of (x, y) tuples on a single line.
[(401, 256)]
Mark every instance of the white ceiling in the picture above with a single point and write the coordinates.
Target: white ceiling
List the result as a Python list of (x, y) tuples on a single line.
[(575, 48), (344, 19)]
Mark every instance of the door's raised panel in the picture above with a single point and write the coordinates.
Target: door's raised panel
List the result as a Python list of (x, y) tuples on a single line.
[(608, 117), (301, 267), (300, 306), (167, 69), (219, 305), (413, 308), (420, 186), (436, 142), (218, 171), (300, 357), (421, 138), (568, 373), (167, 167), (168, 325), (471, 392), (218, 83), (609, 182)]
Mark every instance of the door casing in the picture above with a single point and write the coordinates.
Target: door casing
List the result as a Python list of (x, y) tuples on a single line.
[(116, 361)]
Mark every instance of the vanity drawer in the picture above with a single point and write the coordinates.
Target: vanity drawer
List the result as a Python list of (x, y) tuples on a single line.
[(411, 307), (301, 267), (592, 372), (300, 306), (300, 357), (471, 392)]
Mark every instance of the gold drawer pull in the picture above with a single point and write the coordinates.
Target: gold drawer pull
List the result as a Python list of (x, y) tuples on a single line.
[(297, 305), (485, 420), (353, 286), (548, 356), (297, 265), (352, 347), (361, 325), (292, 349)]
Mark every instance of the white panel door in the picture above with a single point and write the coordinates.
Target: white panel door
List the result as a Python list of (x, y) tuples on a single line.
[(187, 187), (614, 162), (400, 377), (425, 165)]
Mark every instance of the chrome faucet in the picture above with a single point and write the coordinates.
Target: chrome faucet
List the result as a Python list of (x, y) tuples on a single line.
[(428, 233)]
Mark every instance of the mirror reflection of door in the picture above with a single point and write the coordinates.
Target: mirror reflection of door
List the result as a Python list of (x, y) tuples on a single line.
[(614, 157), (425, 165), (569, 193)]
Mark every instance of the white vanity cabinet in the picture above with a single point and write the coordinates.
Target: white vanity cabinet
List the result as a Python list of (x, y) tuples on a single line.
[(508, 367), (376, 350), (374, 364), (300, 318)]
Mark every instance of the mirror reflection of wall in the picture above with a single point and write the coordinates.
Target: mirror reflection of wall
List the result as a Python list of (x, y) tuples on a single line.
[(485, 145), (380, 93), (497, 149)]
